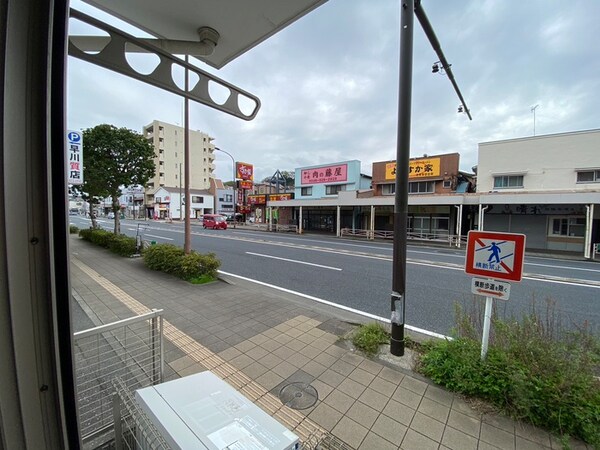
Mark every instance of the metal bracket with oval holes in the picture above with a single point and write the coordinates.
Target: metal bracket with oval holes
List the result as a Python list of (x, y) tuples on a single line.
[(112, 57)]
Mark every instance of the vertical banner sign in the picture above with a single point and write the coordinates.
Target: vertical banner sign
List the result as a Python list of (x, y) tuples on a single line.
[(74, 157)]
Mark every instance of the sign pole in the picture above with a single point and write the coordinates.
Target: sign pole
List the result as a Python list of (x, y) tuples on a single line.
[(487, 319)]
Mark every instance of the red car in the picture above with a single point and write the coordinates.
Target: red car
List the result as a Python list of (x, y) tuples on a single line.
[(214, 221)]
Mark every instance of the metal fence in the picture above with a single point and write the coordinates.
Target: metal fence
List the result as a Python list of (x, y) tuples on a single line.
[(129, 350), (133, 429), (443, 238)]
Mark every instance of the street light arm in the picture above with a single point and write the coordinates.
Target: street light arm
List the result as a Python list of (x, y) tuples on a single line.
[(433, 40)]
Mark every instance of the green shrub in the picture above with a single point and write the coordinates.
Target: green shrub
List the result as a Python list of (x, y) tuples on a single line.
[(196, 265), (73, 229), (163, 257), (102, 238), (533, 371), (369, 337), (123, 245), (86, 234), (172, 260)]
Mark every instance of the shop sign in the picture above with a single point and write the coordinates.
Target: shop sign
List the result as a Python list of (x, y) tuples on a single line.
[(329, 174), (280, 197), (247, 185), (257, 199), (244, 171), (417, 168), (74, 157)]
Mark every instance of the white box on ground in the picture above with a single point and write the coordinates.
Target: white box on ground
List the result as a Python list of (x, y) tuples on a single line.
[(202, 411)]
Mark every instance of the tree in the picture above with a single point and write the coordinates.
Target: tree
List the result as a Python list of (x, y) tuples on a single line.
[(113, 158)]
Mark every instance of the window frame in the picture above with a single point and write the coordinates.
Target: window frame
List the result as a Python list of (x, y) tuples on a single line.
[(388, 189), (595, 176), (306, 191), (567, 223), (334, 187), (507, 178), (418, 184)]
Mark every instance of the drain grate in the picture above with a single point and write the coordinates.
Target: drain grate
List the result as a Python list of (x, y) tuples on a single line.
[(298, 395)]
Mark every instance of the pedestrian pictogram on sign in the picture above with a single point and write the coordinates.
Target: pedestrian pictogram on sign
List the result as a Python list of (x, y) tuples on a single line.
[(495, 255)]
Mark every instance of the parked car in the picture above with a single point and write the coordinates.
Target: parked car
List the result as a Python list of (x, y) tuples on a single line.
[(238, 217), (111, 215), (214, 221)]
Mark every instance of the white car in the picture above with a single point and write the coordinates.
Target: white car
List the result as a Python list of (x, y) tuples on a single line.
[(111, 215)]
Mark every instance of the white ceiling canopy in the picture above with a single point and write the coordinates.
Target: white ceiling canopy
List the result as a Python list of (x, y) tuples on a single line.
[(240, 24)]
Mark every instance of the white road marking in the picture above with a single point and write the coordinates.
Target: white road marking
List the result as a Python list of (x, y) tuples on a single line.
[(158, 237), (562, 267), (293, 260), (439, 265), (335, 305)]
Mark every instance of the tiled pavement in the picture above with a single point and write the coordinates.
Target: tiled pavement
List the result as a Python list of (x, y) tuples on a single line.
[(260, 339)]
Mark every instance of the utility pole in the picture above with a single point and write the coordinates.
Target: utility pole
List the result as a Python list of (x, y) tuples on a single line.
[(187, 248), (533, 108), (398, 298)]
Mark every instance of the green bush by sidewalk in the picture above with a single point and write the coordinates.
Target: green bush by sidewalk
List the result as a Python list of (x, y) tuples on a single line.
[(532, 371), (120, 244), (196, 267), (73, 229), (172, 260)]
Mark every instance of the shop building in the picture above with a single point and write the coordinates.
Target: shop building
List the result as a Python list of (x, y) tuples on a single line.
[(547, 187)]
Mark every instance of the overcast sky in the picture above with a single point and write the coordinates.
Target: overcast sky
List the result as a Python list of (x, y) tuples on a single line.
[(329, 84)]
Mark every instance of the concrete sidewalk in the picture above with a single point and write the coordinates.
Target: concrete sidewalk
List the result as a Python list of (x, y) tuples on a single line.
[(261, 340)]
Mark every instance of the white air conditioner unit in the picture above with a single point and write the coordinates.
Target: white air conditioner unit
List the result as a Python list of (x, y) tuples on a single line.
[(202, 411)]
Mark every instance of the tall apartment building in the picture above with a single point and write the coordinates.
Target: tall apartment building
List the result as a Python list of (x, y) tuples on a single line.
[(168, 142)]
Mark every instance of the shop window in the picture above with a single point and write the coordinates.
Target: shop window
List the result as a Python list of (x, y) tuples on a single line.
[(421, 187), (508, 181), (567, 226), (388, 189), (306, 191), (588, 176), (197, 199), (447, 184), (333, 189)]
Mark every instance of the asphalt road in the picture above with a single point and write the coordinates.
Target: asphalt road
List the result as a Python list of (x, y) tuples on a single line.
[(357, 274)]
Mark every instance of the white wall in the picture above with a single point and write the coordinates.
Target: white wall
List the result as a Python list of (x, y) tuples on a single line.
[(547, 162)]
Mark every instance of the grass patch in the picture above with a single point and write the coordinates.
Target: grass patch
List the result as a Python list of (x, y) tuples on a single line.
[(203, 279), (534, 371), (369, 337)]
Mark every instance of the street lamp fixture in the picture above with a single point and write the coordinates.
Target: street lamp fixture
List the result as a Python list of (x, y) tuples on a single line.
[(233, 178)]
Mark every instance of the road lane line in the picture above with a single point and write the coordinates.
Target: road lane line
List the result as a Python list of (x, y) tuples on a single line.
[(158, 237), (562, 267), (336, 305), (439, 265), (293, 260)]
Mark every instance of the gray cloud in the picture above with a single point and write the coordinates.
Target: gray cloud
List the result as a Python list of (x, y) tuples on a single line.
[(329, 84)]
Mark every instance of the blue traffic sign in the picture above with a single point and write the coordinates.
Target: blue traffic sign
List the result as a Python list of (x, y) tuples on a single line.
[(74, 136)]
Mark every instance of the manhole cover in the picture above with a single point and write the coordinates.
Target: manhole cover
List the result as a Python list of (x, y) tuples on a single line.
[(298, 395)]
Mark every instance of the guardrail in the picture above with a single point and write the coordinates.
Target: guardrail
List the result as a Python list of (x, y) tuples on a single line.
[(130, 350), (451, 240)]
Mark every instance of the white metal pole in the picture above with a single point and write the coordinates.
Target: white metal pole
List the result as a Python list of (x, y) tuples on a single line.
[(487, 318), (300, 221), (480, 218), (337, 231), (372, 224), (589, 214)]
